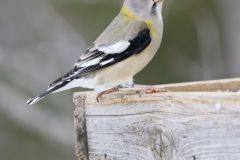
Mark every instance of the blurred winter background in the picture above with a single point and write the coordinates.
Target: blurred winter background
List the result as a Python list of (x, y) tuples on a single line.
[(41, 39)]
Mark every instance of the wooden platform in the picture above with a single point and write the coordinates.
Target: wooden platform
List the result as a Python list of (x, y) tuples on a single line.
[(192, 121)]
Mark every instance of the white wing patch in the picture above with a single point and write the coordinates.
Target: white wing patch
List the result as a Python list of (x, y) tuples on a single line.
[(106, 62), (89, 63), (116, 48)]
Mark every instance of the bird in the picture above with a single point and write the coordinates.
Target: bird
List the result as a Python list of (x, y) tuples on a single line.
[(122, 50)]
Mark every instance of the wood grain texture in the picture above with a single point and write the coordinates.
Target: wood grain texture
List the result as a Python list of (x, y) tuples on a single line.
[(204, 86), (80, 128), (163, 126)]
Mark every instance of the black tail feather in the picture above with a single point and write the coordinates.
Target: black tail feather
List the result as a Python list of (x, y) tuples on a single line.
[(45, 93)]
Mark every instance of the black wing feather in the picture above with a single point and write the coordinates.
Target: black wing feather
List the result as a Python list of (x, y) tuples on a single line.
[(137, 45)]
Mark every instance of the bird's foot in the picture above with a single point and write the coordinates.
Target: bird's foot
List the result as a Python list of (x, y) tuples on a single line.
[(150, 90), (99, 95)]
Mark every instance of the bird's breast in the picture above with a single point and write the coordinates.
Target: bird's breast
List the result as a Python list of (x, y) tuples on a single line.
[(121, 72)]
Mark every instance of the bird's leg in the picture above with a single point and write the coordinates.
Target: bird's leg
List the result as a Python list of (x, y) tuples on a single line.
[(99, 95), (145, 89), (127, 84)]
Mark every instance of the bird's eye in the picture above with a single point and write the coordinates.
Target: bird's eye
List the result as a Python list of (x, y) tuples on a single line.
[(157, 1), (153, 10)]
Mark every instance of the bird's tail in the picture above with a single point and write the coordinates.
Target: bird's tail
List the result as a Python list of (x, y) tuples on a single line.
[(45, 93)]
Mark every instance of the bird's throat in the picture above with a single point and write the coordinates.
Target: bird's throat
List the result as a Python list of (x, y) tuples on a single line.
[(128, 14)]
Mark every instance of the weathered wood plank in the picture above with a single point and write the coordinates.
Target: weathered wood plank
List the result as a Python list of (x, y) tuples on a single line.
[(80, 128), (204, 86), (163, 126)]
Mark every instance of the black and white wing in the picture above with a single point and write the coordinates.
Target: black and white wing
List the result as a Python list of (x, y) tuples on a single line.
[(104, 56), (100, 56)]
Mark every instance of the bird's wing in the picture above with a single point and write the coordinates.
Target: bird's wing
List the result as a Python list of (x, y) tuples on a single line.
[(135, 37)]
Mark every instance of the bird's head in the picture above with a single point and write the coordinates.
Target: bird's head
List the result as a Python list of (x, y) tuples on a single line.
[(147, 9)]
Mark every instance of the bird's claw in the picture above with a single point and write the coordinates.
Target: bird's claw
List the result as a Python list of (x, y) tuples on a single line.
[(99, 95), (150, 91)]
